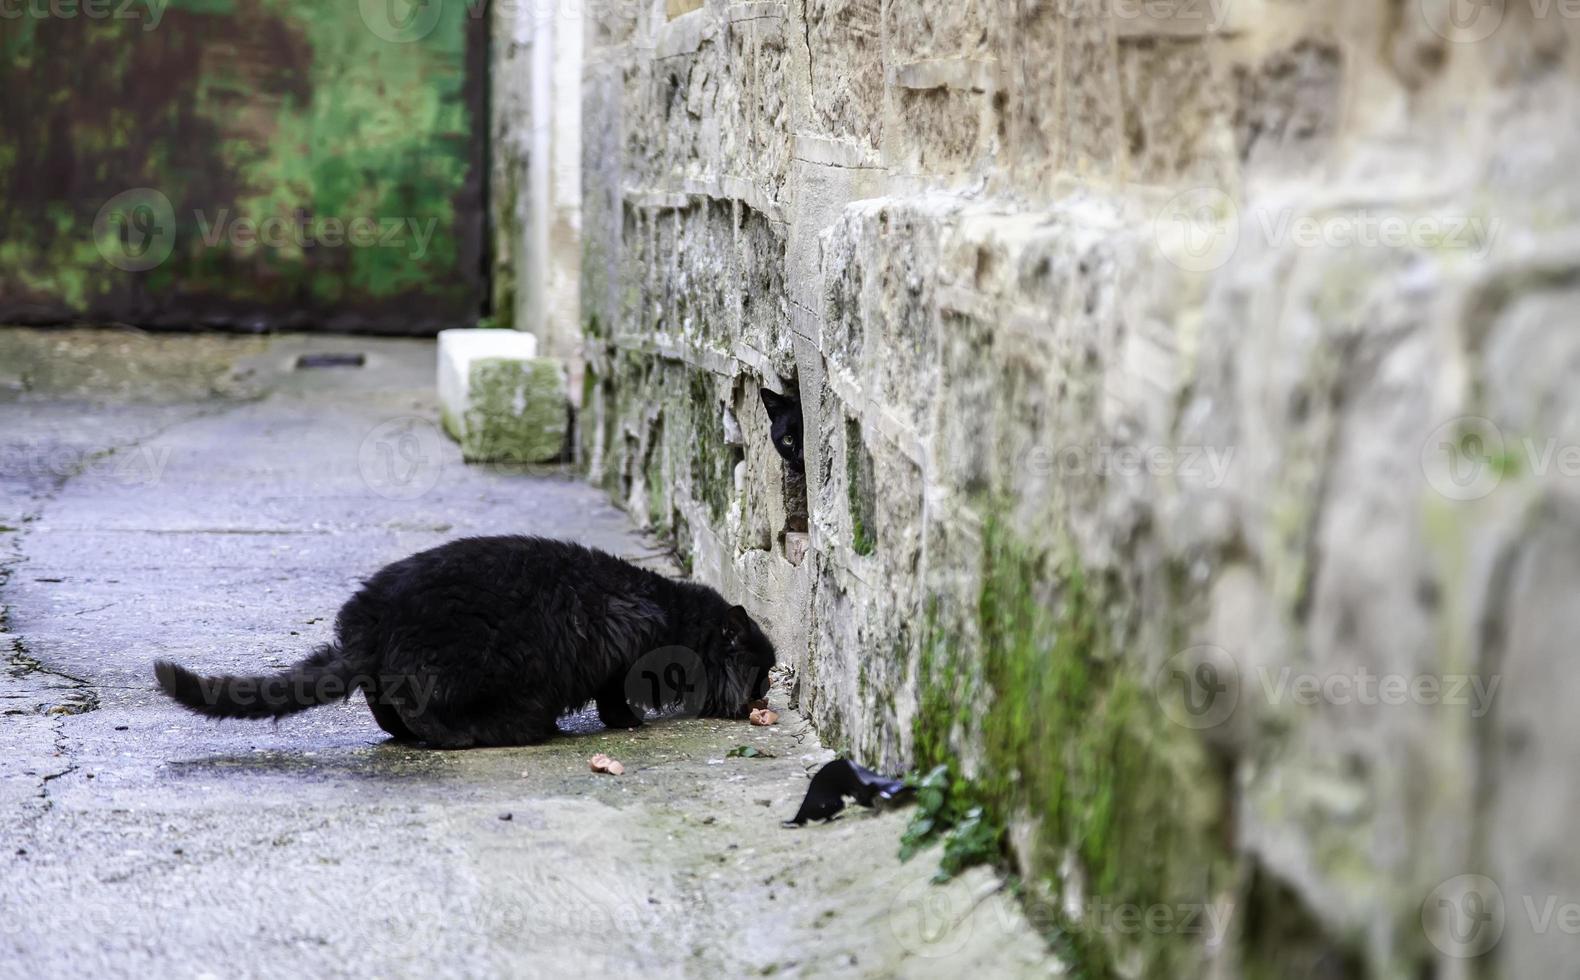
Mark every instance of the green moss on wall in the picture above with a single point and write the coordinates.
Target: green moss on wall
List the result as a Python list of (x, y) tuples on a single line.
[(712, 463), (655, 479), (860, 490), (1073, 741)]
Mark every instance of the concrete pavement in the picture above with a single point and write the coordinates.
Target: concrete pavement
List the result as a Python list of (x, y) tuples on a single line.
[(198, 499)]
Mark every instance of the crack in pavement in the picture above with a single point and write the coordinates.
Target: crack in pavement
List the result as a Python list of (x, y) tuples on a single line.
[(75, 695)]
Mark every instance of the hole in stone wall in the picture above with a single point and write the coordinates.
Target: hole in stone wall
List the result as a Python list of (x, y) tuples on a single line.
[(629, 460), (1283, 933), (792, 486), (987, 263)]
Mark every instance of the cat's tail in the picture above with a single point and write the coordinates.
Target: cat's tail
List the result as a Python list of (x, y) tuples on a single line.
[(323, 678)]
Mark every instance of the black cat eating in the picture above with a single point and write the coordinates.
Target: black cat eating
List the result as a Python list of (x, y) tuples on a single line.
[(486, 641), (784, 413)]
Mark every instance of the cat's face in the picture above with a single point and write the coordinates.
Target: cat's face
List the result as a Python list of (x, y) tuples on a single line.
[(784, 413), (743, 657)]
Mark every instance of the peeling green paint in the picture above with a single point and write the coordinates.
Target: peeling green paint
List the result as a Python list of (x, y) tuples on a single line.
[(317, 174)]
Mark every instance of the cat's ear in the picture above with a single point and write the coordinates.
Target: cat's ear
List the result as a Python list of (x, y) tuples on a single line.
[(774, 402), (736, 626)]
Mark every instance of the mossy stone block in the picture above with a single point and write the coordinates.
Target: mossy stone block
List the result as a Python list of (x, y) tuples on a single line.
[(515, 411)]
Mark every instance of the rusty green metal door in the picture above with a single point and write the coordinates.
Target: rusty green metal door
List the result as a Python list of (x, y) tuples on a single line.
[(246, 164)]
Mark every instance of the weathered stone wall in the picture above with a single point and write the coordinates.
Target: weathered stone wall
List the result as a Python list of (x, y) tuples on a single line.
[(1180, 379)]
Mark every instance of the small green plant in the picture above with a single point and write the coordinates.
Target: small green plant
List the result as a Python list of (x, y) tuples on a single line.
[(947, 811)]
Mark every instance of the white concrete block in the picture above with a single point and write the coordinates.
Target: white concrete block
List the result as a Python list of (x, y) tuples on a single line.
[(457, 350)]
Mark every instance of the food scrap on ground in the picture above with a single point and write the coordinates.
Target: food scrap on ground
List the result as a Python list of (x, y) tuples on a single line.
[(764, 717), (602, 763)]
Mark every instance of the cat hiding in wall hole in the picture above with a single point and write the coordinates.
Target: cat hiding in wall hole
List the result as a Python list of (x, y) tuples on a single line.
[(784, 414), (487, 641)]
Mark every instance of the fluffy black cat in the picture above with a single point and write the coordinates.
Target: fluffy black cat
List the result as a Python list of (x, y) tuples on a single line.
[(784, 413), (486, 641)]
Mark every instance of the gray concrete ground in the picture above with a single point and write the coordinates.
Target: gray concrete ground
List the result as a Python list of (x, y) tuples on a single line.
[(195, 498)]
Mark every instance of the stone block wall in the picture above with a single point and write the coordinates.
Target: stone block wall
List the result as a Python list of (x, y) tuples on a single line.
[(1190, 448)]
